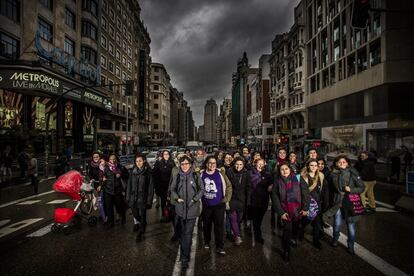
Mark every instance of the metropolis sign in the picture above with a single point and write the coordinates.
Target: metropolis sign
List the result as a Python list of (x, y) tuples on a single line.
[(69, 62), (22, 79)]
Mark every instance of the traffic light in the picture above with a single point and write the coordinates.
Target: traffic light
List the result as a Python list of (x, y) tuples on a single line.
[(129, 87), (360, 13)]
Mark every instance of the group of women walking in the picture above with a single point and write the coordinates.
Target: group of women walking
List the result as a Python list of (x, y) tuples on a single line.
[(224, 190)]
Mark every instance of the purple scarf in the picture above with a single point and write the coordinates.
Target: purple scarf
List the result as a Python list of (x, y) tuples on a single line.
[(255, 177), (290, 196), (114, 168)]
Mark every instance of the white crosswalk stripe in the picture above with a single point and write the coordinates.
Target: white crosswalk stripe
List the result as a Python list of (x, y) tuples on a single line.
[(58, 201), (4, 222), (29, 202), (41, 232), (17, 226)]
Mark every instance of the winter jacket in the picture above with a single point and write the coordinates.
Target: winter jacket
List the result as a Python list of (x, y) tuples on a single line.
[(277, 195), (259, 182), (162, 172), (227, 188), (188, 187), (320, 193), (113, 185), (339, 179), (366, 169), (139, 188), (240, 182)]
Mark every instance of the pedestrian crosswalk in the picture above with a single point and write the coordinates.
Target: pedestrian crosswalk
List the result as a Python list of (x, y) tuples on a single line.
[(28, 202)]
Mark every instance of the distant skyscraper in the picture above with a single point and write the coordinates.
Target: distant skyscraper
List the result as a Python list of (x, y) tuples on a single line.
[(210, 119)]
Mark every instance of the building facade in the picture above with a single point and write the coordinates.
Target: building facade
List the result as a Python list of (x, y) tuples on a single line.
[(160, 104), (210, 121), (360, 81), (124, 55), (50, 71), (288, 73), (224, 124)]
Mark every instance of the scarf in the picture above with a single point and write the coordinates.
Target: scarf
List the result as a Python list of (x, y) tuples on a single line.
[(185, 174), (256, 177), (95, 164), (114, 168), (280, 161), (290, 196)]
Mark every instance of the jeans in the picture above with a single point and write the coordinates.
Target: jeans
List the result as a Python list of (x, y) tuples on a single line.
[(337, 226), (235, 219), (186, 227)]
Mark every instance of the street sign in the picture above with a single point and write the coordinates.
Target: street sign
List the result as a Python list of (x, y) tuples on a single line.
[(410, 182)]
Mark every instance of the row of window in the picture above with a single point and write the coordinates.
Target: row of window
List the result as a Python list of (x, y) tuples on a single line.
[(104, 43)]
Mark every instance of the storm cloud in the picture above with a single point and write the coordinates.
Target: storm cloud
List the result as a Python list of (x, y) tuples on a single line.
[(200, 41)]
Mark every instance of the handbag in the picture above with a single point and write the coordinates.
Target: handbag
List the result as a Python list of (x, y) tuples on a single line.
[(355, 206), (313, 209)]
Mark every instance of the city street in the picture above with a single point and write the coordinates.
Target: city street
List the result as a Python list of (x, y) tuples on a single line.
[(28, 247)]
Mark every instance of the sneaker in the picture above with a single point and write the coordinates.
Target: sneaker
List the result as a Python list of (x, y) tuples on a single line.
[(220, 251), (237, 241), (206, 246)]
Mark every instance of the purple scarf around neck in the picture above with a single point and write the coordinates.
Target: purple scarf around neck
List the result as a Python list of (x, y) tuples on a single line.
[(290, 196)]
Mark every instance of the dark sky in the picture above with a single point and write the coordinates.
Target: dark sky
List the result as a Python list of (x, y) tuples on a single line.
[(200, 41)]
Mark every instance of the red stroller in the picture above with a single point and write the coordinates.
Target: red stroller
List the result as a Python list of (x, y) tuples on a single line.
[(71, 184)]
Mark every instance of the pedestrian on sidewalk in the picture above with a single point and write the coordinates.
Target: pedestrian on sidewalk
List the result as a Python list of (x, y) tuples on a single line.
[(240, 182), (261, 185), (366, 169), (23, 160), (344, 180), (32, 172), (162, 172), (217, 194), (113, 191), (186, 191), (140, 193), (291, 201), (318, 191)]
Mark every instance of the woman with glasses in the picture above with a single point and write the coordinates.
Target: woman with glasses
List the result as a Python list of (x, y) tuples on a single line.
[(186, 191), (261, 185), (162, 171), (344, 181), (139, 194), (240, 182), (317, 187), (217, 194)]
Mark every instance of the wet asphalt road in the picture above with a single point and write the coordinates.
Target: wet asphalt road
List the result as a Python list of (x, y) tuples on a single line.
[(98, 251)]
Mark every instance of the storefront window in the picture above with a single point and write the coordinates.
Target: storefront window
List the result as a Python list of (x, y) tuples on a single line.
[(10, 109), (68, 118)]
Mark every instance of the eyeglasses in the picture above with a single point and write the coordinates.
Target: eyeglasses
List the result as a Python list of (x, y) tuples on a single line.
[(184, 164)]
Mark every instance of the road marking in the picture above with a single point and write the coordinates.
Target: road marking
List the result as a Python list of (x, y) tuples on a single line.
[(29, 202), (190, 269), (4, 222), (57, 201), (371, 258), (17, 226), (41, 232), (385, 210), (385, 204), (26, 198), (27, 183)]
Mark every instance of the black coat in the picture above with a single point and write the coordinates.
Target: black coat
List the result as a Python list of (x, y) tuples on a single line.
[(113, 185), (366, 169), (139, 188), (162, 172), (259, 196), (320, 193), (240, 182)]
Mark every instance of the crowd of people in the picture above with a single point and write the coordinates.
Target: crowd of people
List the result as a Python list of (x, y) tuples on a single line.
[(229, 193)]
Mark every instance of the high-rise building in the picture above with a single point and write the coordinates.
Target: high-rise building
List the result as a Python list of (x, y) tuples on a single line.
[(288, 82), (210, 119), (360, 81), (124, 55), (160, 104)]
